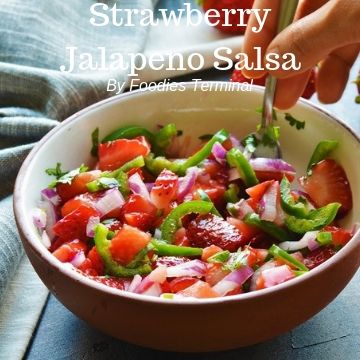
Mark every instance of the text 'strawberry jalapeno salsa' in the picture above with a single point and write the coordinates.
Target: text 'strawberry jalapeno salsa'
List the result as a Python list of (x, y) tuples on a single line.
[(217, 223)]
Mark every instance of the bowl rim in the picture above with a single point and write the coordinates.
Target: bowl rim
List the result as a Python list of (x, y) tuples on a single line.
[(29, 236)]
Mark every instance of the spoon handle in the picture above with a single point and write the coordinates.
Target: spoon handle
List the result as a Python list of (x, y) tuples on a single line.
[(286, 16)]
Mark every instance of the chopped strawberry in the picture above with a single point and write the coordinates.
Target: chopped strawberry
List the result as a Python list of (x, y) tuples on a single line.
[(233, 20), (77, 185), (180, 238), (199, 290), (210, 251), (116, 153), (127, 243), (209, 229), (114, 282), (328, 183), (170, 261), (216, 171), (164, 189), (181, 283), (318, 256), (86, 268), (214, 191), (257, 192), (73, 225), (248, 231)]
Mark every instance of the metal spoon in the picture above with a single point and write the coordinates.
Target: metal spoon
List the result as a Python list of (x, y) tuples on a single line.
[(286, 17)]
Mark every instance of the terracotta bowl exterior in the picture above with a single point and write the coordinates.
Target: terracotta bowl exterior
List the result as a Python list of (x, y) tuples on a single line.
[(192, 325)]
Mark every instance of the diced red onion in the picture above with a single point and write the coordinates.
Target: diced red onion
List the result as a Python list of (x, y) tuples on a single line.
[(234, 174), (268, 203), (233, 281), (39, 218), (137, 186), (92, 222), (277, 275), (190, 268), (243, 209), (235, 142), (268, 265), (187, 182), (111, 200), (280, 214), (51, 216), (219, 153), (136, 281), (78, 259), (153, 290), (51, 195), (45, 239), (313, 244), (272, 165), (157, 276), (149, 186), (306, 241)]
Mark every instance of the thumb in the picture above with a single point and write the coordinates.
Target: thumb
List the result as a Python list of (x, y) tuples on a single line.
[(315, 36)]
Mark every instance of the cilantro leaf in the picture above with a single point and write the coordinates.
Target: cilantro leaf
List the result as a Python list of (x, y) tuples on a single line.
[(67, 177), (56, 171), (294, 122), (95, 142)]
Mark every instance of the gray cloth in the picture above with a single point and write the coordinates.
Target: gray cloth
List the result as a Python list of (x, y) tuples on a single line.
[(35, 95)]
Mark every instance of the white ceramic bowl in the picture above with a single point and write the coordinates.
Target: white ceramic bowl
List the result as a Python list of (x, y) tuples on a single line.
[(206, 325)]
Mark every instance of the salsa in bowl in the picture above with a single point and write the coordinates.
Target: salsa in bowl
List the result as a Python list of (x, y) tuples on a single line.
[(122, 313), (218, 222)]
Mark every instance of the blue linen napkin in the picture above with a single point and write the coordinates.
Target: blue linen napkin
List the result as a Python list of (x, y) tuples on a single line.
[(35, 95)]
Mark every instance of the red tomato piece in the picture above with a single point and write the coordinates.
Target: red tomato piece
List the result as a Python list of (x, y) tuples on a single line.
[(214, 274), (141, 221), (340, 236), (96, 261), (138, 204), (127, 243), (210, 251), (67, 251), (77, 185), (199, 290), (181, 283), (73, 225), (116, 153), (257, 192)]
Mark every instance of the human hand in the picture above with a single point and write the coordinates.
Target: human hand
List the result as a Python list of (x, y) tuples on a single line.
[(324, 32)]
